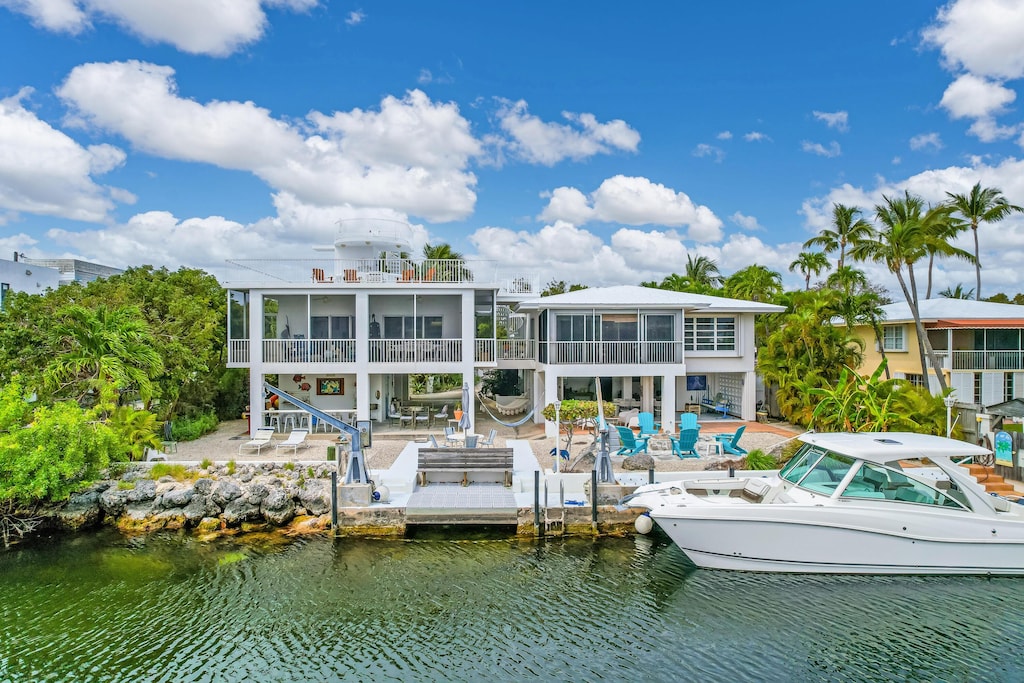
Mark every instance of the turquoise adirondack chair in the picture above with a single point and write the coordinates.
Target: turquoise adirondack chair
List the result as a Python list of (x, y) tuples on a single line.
[(631, 444), (688, 421), (648, 426), (731, 442), (685, 445)]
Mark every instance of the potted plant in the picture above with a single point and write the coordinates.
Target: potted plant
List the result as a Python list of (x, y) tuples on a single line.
[(458, 410)]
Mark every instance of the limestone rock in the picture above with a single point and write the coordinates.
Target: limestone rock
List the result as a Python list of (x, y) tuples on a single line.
[(145, 490), (640, 461), (238, 511), (203, 486), (278, 507), (113, 501), (254, 493), (176, 498), (81, 510), (315, 496), (225, 491)]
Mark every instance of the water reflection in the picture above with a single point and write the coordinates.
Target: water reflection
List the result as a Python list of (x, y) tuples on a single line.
[(170, 608)]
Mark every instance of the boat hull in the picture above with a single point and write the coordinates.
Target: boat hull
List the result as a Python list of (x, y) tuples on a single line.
[(818, 539)]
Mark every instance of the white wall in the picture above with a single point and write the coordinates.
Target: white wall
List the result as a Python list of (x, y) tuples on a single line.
[(25, 277)]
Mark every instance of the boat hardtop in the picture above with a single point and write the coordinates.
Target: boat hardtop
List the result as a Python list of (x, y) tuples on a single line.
[(885, 447)]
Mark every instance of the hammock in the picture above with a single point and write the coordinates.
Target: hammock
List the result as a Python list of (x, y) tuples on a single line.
[(485, 402), (506, 405)]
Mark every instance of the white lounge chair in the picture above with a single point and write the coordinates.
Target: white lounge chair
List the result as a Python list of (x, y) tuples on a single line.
[(260, 439), (296, 439)]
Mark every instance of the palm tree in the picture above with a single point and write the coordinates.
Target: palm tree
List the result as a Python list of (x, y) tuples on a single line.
[(809, 263), (703, 271), (941, 228), (103, 348), (447, 264), (754, 283), (902, 242), (957, 293), (986, 205), (675, 283), (848, 280), (848, 231)]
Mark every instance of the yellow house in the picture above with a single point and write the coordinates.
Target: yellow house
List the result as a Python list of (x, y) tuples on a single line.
[(980, 346)]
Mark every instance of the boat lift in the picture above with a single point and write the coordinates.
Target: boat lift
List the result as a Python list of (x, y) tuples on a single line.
[(355, 469)]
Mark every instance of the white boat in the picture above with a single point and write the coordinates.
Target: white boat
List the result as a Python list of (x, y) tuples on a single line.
[(867, 503)]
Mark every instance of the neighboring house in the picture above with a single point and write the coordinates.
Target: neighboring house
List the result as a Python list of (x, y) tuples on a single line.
[(74, 270), (980, 345), (657, 350), (345, 332), (22, 276)]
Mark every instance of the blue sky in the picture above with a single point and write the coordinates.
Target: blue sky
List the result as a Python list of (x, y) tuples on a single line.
[(599, 143)]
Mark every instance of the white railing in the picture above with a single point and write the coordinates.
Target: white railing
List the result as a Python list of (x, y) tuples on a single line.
[(309, 350), (615, 353), (484, 351), (987, 360), (380, 271), (238, 351), (415, 350), (516, 349)]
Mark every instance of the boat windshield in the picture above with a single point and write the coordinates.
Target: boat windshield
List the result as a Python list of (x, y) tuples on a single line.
[(876, 481), (798, 465)]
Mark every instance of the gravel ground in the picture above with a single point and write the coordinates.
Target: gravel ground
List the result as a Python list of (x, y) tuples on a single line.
[(222, 445)]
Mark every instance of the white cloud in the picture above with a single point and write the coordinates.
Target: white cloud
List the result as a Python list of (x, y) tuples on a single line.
[(745, 222), (355, 17), (926, 140), (831, 151), (838, 120), (44, 171), (987, 130), (635, 201), (724, 135), (980, 36), (411, 155), (194, 26), (756, 136), (548, 143), (65, 16), (706, 150), (972, 97)]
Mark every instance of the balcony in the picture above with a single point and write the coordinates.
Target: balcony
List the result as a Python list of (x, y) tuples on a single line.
[(309, 350), (516, 349), (984, 360), (415, 350), (484, 351), (615, 353)]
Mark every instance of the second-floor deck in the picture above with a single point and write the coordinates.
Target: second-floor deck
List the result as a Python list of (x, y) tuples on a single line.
[(981, 360)]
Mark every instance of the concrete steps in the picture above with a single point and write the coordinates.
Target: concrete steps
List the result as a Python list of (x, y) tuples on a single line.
[(992, 482)]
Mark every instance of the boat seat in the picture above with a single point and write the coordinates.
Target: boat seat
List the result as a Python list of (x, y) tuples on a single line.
[(908, 494), (754, 490)]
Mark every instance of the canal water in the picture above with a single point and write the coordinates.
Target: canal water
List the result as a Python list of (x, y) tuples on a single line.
[(99, 607)]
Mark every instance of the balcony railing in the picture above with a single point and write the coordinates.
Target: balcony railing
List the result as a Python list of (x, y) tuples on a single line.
[(309, 350), (616, 353), (484, 351), (985, 360), (238, 351), (516, 349), (415, 350)]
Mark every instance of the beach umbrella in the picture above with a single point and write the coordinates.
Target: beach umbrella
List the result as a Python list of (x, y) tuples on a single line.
[(465, 423)]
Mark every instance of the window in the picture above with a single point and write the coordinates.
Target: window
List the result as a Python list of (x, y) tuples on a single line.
[(660, 327), (709, 334), (977, 388), (893, 338), (575, 328), (407, 327), (916, 379), (4, 288), (1007, 386), (619, 327), (330, 327)]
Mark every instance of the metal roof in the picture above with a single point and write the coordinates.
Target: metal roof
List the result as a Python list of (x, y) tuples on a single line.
[(883, 447), (632, 296)]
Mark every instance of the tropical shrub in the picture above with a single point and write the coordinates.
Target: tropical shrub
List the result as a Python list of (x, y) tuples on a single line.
[(137, 428), (190, 428), (759, 460)]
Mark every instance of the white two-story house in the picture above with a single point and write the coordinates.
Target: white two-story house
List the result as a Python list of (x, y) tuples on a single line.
[(344, 332), (660, 351)]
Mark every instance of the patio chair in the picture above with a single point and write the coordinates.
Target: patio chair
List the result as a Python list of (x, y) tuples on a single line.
[(731, 442), (422, 417), (472, 440), (449, 432), (489, 441), (296, 439), (318, 276), (260, 439), (631, 444), (648, 427), (433, 441), (685, 445), (688, 421), (406, 417), (439, 415)]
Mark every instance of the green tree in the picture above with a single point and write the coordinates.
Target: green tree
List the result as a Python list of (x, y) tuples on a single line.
[(754, 283), (703, 272), (981, 205), (561, 287), (448, 264), (809, 263), (100, 347), (900, 244), (958, 293), (848, 229)]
